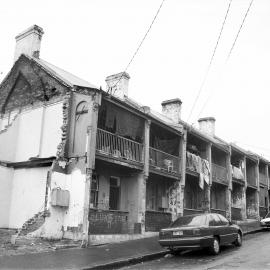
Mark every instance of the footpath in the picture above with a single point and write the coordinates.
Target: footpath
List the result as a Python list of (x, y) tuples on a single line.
[(106, 256)]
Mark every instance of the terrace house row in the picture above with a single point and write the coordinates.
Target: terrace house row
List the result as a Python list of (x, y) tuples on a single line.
[(101, 164)]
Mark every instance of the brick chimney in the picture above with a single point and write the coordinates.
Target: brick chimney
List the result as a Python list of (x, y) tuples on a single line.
[(28, 42), (117, 84), (172, 109), (207, 125)]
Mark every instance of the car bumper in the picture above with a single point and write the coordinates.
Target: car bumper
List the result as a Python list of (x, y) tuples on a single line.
[(187, 242), (265, 225)]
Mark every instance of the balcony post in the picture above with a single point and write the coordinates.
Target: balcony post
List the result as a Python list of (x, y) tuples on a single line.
[(90, 163), (143, 177), (267, 186), (257, 195), (207, 188), (181, 183), (229, 188), (244, 189)]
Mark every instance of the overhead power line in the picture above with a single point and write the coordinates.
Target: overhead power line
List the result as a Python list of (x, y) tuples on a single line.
[(229, 54), (239, 30), (140, 44), (211, 60)]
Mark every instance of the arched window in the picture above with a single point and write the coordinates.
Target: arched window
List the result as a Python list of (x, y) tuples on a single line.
[(80, 128)]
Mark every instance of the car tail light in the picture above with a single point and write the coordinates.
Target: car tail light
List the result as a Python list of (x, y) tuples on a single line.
[(196, 232)]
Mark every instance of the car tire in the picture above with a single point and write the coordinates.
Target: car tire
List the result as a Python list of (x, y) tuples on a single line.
[(214, 249), (238, 241)]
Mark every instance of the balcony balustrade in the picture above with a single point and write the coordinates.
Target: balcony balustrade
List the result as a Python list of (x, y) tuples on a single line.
[(219, 174), (237, 173), (160, 160), (263, 179), (109, 144)]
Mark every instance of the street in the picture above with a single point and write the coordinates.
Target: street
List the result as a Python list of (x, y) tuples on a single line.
[(254, 254)]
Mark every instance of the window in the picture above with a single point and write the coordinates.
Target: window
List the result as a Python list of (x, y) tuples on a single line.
[(94, 191), (214, 220), (114, 200)]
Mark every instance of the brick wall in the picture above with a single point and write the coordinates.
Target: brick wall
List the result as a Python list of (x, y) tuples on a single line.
[(155, 221), (108, 222)]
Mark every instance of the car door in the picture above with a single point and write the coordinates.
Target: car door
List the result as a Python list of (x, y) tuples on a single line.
[(215, 226), (230, 232)]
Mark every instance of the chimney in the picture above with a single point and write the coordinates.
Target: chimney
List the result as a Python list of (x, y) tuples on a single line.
[(207, 125), (172, 109), (117, 84), (28, 42)]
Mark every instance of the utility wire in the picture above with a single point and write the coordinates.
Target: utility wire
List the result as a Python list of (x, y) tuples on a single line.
[(237, 35), (229, 54), (211, 61), (138, 48)]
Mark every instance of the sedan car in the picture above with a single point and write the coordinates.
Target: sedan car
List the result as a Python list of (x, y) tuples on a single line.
[(200, 231), (265, 222)]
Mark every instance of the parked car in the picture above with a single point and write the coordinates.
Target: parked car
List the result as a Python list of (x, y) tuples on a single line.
[(265, 222), (200, 231)]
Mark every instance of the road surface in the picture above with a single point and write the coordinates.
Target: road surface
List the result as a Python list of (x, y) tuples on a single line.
[(254, 254)]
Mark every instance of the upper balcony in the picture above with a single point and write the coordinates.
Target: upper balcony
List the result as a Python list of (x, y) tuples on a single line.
[(238, 165), (219, 174), (120, 136), (164, 152), (219, 166), (251, 173), (119, 148)]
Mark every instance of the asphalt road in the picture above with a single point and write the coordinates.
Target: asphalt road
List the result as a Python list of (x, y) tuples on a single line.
[(254, 254)]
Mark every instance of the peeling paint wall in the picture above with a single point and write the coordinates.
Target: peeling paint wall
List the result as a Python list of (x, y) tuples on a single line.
[(6, 177), (27, 195), (60, 217)]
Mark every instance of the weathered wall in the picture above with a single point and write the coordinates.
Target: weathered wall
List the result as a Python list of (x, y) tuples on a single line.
[(62, 219), (28, 194), (6, 178), (53, 120), (8, 139), (218, 197)]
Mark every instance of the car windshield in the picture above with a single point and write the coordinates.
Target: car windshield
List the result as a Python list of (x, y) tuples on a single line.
[(189, 221), (268, 215)]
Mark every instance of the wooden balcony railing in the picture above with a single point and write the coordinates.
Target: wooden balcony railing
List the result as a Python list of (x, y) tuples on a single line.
[(219, 174), (263, 179), (163, 161), (118, 147), (251, 181), (237, 173)]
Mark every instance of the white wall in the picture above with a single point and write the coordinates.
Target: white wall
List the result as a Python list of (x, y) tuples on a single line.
[(28, 194), (8, 141), (6, 176), (29, 134), (60, 218), (34, 133), (53, 120)]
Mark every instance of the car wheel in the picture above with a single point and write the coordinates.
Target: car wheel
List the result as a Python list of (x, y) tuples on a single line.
[(215, 246), (238, 241)]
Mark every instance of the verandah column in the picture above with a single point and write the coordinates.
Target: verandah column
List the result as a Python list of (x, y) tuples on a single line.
[(229, 188), (90, 162), (257, 193), (143, 177), (244, 194), (207, 188)]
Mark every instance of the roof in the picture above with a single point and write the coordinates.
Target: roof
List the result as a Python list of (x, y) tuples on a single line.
[(65, 76)]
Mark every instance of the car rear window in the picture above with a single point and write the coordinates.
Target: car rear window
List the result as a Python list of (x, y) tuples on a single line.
[(189, 221)]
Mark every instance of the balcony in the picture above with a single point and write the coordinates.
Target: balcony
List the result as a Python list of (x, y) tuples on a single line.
[(263, 179), (164, 162), (119, 148), (219, 174), (237, 174)]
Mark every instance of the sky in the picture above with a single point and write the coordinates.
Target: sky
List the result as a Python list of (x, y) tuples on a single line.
[(96, 38)]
